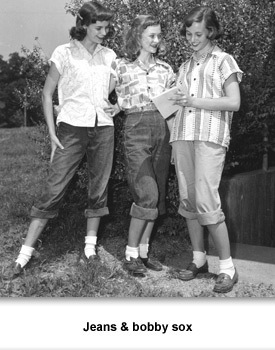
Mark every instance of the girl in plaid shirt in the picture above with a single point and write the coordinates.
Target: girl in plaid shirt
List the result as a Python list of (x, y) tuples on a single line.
[(140, 76)]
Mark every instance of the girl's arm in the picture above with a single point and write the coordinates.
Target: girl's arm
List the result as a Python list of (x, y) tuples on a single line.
[(112, 83), (47, 102), (230, 102)]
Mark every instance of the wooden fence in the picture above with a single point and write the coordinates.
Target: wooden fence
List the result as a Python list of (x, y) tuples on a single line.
[(248, 201)]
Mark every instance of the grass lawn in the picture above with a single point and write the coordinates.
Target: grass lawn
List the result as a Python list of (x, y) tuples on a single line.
[(54, 270)]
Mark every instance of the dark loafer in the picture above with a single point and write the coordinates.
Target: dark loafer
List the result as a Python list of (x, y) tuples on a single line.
[(135, 267), (152, 264), (13, 271), (92, 258), (225, 283), (192, 271)]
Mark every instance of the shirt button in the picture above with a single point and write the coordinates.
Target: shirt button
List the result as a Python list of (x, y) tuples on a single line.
[(195, 79), (190, 111), (198, 64), (192, 94)]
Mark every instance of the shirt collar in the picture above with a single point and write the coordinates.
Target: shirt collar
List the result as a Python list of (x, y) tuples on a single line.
[(139, 63), (77, 43)]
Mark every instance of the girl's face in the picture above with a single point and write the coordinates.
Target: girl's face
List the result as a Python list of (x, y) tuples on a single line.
[(197, 36), (96, 32), (150, 39)]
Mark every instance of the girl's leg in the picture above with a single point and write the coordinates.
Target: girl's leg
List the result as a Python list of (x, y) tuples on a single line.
[(136, 230), (62, 169), (209, 169), (185, 163), (144, 248), (228, 275), (91, 237), (196, 233), (132, 263), (199, 263), (139, 142), (220, 237), (99, 162), (36, 227)]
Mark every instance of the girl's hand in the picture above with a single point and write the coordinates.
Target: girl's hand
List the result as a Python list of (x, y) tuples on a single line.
[(181, 99), (112, 110), (55, 143)]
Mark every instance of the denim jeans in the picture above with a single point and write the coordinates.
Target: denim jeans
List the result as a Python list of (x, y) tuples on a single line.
[(98, 144), (147, 155)]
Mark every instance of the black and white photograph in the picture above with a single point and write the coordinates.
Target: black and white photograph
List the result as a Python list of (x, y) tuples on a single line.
[(137, 174)]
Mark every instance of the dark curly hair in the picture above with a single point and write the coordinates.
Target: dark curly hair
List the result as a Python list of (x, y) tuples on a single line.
[(90, 12), (206, 14), (132, 44)]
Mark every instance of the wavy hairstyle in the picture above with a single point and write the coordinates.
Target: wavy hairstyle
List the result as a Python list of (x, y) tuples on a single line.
[(90, 12), (132, 43), (206, 14)]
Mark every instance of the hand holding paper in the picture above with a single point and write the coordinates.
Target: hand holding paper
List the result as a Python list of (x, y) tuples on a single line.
[(166, 106)]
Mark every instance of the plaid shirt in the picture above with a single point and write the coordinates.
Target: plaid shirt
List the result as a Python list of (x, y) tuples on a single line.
[(136, 84), (205, 78), (83, 87)]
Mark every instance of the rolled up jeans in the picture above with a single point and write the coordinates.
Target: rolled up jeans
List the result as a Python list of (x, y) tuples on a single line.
[(147, 156), (98, 144)]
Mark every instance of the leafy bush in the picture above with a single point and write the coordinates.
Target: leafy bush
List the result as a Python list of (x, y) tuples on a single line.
[(34, 68)]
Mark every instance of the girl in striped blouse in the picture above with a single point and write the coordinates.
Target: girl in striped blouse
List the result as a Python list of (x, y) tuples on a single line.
[(208, 94)]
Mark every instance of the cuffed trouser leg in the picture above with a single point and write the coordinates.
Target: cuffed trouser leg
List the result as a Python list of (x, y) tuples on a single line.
[(99, 160), (147, 155), (199, 168)]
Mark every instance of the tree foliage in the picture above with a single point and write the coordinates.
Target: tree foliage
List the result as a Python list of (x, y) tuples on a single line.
[(11, 78), (21, 81)]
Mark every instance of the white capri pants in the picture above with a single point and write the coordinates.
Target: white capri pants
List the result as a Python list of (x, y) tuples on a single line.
[(199, 167)]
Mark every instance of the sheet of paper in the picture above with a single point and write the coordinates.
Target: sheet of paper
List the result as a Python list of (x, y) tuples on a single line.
[(165, 106)]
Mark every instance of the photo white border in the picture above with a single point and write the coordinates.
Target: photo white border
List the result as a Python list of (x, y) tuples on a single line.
[(58, 323)]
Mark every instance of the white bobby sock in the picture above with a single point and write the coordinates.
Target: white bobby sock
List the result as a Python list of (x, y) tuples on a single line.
[(90, 243), (227, 266), (24, 255), (131, 252), (143, 250), (199, 258)]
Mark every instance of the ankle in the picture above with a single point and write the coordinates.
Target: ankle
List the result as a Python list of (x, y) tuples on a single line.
[(25, 255), (131, 252), (199, 258)]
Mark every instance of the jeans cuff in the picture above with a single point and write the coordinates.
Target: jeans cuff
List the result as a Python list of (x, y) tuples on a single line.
[(187, 214), (211, 218), (143, 213), (94, 213), (43, 214)]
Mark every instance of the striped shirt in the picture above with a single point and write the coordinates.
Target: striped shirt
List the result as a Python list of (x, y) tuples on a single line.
[(83, 86), (136, 84), (205, 78)]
